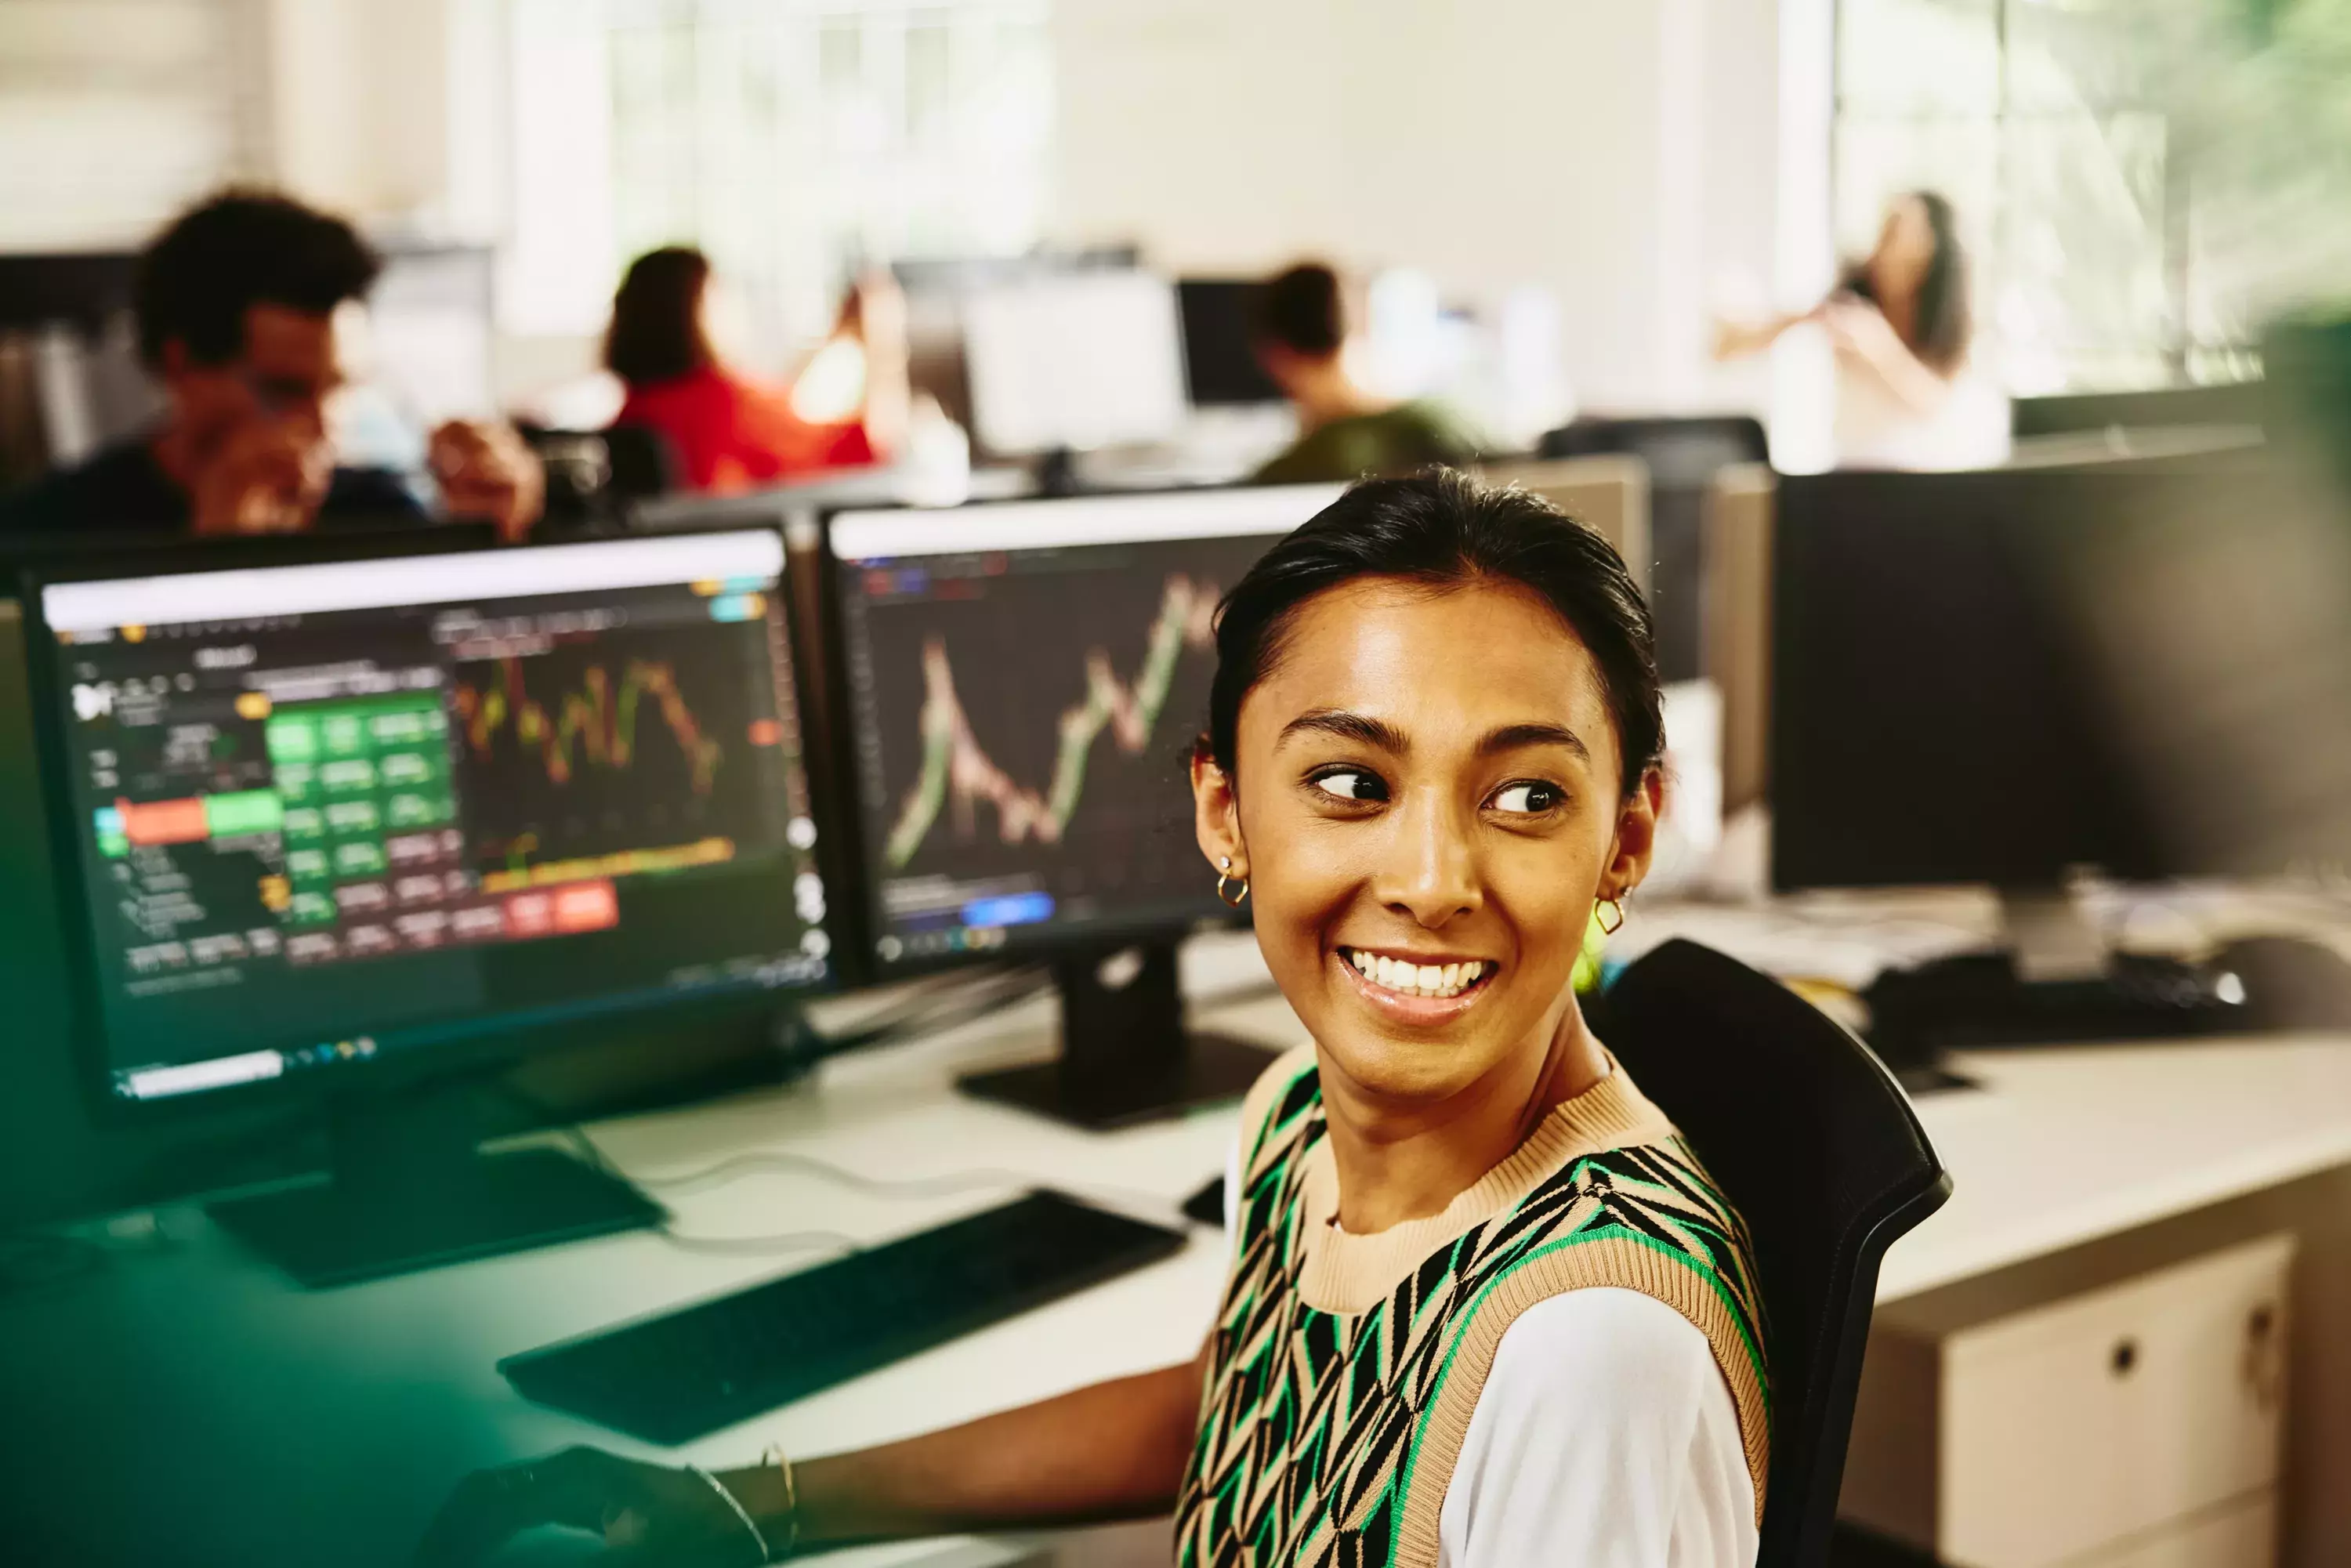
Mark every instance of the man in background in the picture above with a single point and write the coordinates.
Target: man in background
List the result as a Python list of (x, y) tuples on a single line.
[(247, 309), (1347, 432)]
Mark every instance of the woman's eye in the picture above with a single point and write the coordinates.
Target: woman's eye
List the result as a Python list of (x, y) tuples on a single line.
[(1528, 798), (1348, 784)]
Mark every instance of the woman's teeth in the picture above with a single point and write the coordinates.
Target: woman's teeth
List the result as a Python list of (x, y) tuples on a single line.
[(1419, 980)]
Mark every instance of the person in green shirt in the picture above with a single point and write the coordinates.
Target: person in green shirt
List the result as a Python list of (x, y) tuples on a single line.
[(1345, 431)]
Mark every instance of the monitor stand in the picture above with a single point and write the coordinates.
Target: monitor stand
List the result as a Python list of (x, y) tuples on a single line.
[(2053, 980), (408, 1189), (1126, 1056)]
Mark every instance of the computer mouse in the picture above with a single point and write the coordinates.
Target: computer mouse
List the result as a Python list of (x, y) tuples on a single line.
[(2288, 982)]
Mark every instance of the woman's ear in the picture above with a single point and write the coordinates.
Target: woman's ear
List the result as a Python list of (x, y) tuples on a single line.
[(1636, 837), (1216, 813)]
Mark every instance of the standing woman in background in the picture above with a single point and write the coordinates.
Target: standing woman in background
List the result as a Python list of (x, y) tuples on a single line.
[(1484, 1306), (726, 432), (1900, 325)]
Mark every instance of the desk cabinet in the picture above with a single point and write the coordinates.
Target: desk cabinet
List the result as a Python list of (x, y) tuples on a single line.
[(2134, 1425)]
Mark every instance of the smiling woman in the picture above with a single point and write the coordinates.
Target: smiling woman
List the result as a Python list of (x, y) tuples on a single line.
[(1485, 1306)]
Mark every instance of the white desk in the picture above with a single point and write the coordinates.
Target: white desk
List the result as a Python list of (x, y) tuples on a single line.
[(266, 1423)]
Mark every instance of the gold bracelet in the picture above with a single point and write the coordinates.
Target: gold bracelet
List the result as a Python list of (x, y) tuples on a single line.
[(774, 1455)]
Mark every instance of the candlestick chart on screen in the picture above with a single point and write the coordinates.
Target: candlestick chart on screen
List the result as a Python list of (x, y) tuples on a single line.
[(1036, 723), (632, 741)]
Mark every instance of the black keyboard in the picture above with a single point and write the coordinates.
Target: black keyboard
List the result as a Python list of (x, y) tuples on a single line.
[(672, 1378)]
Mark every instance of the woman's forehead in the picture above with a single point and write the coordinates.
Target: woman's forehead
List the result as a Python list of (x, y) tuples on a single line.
[(1399, 644)]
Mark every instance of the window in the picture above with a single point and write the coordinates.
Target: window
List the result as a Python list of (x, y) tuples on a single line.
[(115, 113), (792, 139), (2087, 147)]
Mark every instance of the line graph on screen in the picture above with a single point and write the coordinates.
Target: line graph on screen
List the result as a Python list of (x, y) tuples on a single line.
[(596, 722), (957, 772)]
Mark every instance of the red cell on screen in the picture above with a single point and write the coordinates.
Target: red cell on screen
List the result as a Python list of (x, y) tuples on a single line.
[(163, 821), (586, 906), (530, 914)]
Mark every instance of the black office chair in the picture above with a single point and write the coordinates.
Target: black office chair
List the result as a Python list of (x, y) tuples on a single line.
[(640, 463), (1818, 1149)]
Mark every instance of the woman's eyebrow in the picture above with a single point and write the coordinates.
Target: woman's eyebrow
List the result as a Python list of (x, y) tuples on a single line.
[(1513, 737), (1356, 727)]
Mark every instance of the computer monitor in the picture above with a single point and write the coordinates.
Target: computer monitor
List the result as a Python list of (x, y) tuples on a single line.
[(2221, 405), (1220, 362), (2003, 676), (1067, 361), (1020, 687), (338, 829)]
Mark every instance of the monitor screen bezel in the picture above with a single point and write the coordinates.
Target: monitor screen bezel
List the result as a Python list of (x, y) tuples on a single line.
[(1049, 940), (492, 1049)]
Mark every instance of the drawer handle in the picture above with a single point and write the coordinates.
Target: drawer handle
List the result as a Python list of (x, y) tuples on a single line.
[(2122, 1358), (2264, 1357)]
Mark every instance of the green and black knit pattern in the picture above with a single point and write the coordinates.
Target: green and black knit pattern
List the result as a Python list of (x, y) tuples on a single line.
[(1330, 1438)]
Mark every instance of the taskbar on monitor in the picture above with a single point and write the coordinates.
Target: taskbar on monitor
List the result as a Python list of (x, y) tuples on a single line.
[(802, 967)]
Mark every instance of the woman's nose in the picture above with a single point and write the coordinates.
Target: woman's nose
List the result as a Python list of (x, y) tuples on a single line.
[(1431, 870)]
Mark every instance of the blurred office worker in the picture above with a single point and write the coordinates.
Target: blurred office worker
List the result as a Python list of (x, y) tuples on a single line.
[(726, 432), (1346, 430), (1899, 323), (248, 309)]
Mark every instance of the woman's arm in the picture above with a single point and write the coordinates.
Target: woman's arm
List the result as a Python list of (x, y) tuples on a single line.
[(1867, 341), (1115, 1450), (1605, 1436), (1738, 339)]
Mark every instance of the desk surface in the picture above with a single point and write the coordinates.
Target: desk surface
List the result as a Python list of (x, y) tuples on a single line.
[(266, 1424)]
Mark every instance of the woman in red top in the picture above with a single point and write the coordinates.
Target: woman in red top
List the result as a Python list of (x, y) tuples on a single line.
[(724, 431)]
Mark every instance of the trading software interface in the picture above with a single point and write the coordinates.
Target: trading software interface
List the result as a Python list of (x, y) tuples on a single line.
[(335, 810), (1025, 683)]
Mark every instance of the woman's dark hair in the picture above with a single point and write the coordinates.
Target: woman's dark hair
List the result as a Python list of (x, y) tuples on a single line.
[(1940, 325), (1441, 529), (656, 333), (238, 249), (1302, 309)]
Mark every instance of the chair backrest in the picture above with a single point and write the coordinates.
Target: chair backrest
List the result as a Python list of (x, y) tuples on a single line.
[(1608, 494), (1818, 1149), (640, 461)]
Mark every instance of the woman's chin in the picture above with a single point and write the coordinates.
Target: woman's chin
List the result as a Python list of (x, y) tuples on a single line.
[(1415, 1070)]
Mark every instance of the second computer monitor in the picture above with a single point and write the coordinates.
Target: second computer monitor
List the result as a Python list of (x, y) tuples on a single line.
[(1024, 684)]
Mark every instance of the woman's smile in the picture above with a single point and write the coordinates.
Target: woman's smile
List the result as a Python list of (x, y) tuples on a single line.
[(1424, 990)]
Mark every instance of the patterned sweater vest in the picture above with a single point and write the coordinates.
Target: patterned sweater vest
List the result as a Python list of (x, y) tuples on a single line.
[(1345, 1369)]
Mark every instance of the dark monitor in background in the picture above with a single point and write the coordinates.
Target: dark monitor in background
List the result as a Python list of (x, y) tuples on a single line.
[(1220, 363), (2009, 677), (336, 830), (2234, 403), (1683, 456), (1020, 686)]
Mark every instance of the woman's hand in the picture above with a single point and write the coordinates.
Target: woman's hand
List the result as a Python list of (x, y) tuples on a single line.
[(486, 471), (647, 1514)]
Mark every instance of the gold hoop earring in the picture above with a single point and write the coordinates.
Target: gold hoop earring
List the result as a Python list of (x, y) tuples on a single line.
[(1601, 912), (1224, 875)]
